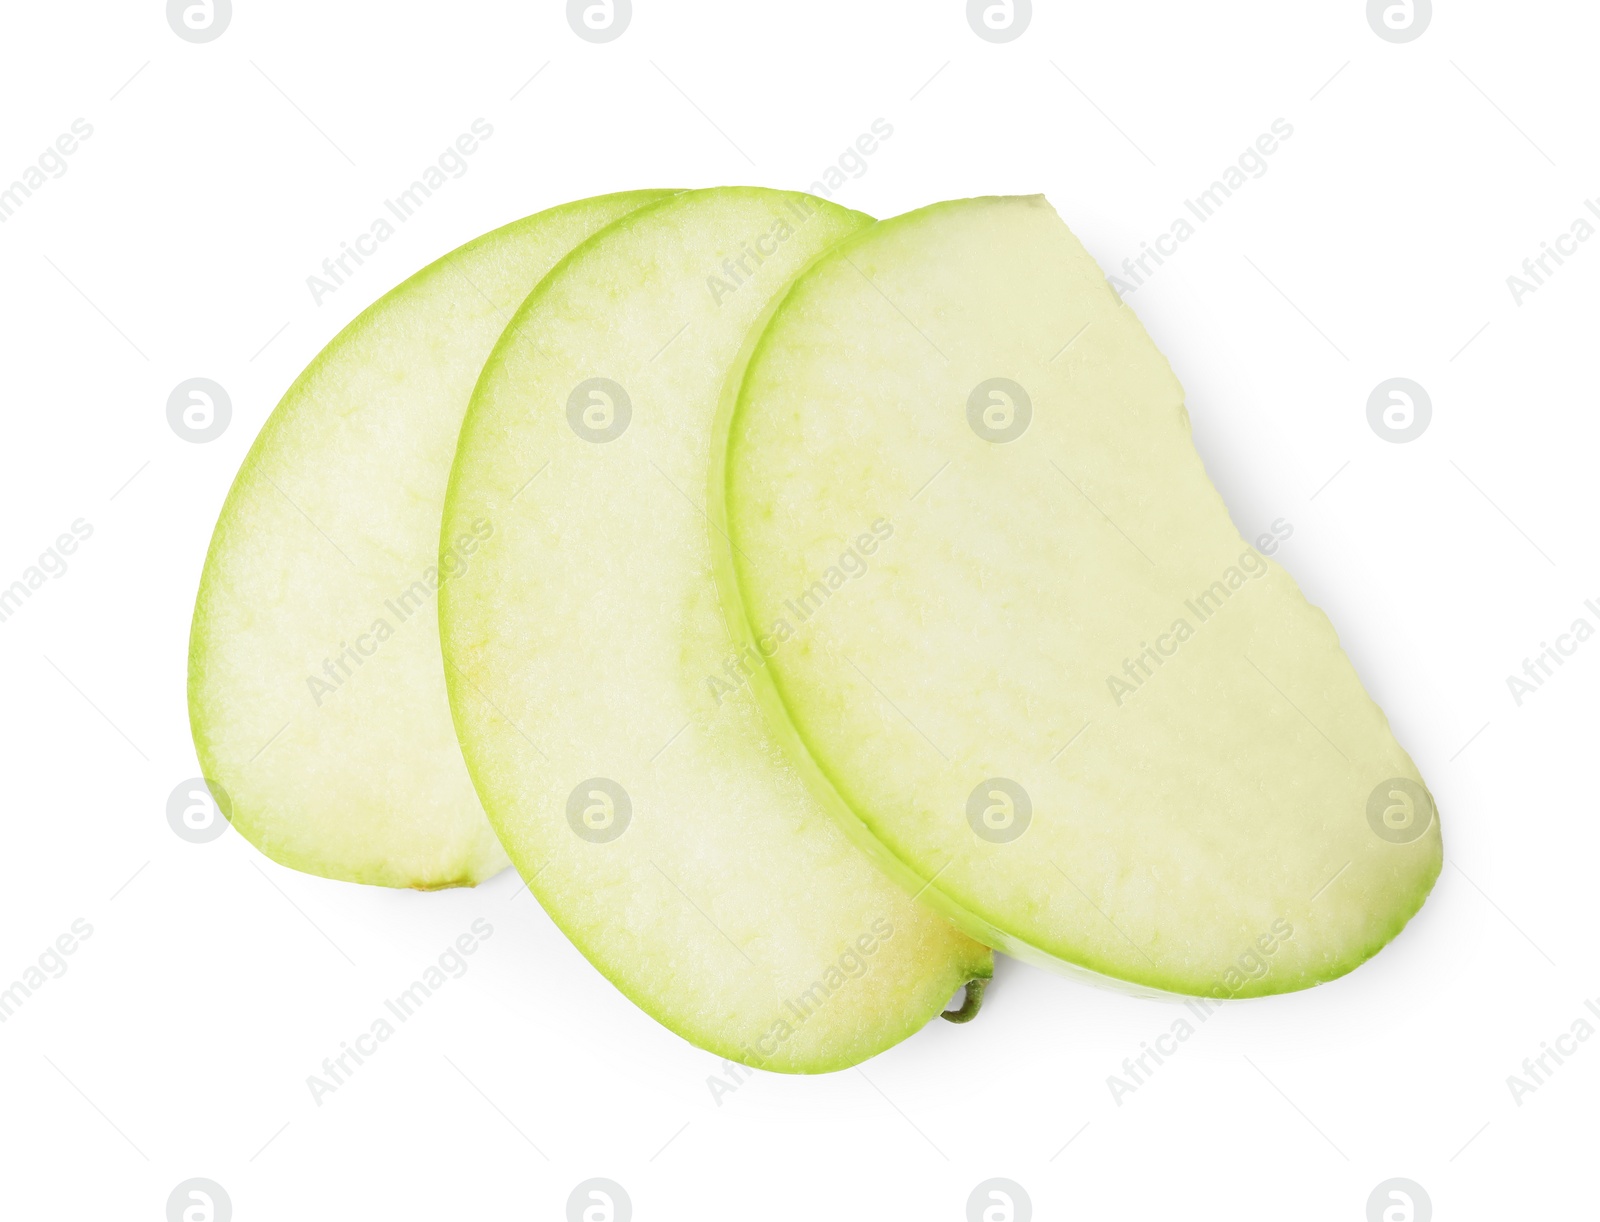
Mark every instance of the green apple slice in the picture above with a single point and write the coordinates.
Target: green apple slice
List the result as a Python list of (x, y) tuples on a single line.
[(316, 694), (1011, 632), (649, 810)]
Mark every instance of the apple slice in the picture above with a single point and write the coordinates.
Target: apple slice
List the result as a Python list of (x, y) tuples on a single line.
[(635, 787), (1011, 632), (316, 694)]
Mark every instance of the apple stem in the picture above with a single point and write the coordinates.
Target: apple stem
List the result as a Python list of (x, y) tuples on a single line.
[(971, 1002)]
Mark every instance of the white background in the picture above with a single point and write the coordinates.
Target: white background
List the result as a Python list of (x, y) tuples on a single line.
[(177, 245)]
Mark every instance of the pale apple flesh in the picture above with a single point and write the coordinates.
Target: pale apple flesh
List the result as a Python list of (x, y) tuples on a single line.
[(316, 692), (625, 765), (1044, 680)]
